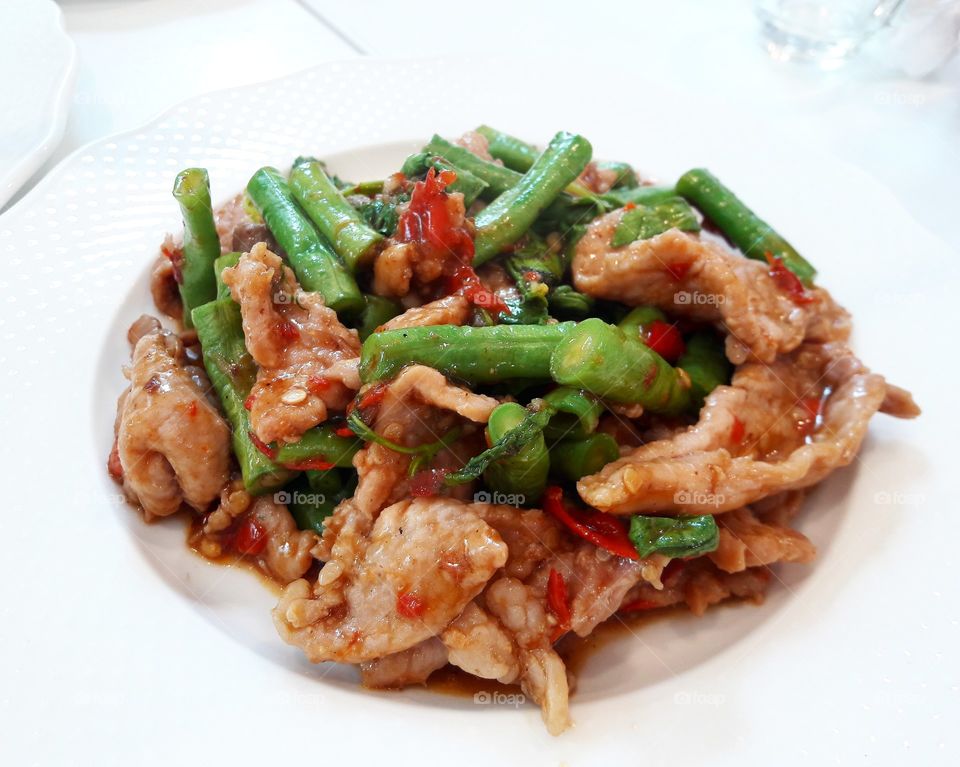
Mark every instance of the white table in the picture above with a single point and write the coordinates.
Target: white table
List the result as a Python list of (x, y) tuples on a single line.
[(138, 58)]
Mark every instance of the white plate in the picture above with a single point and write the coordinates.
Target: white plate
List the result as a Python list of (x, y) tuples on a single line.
[(37, 61), (120, 647)]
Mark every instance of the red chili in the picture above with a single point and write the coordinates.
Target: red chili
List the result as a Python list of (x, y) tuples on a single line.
[(427, 483), (787, 281), (558, 603), (373, 396), (344, 431), (192, 409), (812, 407), (248, 402), (318, 384), (410, 605), (737, 431), (250, 537), (310, 464), (678, 271), (630, 206), (464, 280), (288, 331), (427, 220), (637, 605), (603, 530), (262, 446), (664, 339)]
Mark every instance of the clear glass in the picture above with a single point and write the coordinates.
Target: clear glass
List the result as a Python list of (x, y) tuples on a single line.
[(826, 32)]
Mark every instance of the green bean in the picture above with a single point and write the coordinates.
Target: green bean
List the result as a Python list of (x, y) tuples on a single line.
[(475, 355), (378, 311), (201, 244), (311, 501), (520, 156), (744, 228), (706, 363), (497, 178), (320, 443), (470, 186), (232, 372), (338, 221), (638, 319), (316, 265), (524, 474), (226, 261), (577, 413), (601, 359), (507, 218), (572, 459), (510, 443)]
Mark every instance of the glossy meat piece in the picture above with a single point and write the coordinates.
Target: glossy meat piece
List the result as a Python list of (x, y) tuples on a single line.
[(421, 564), (451, 310), (307, 359), (172, 443)]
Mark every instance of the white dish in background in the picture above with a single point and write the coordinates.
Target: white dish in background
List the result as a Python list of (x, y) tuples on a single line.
[(37, 61), (122, 647)]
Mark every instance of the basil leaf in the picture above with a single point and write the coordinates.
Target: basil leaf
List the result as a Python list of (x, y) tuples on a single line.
[(646, 221), (674, 536)]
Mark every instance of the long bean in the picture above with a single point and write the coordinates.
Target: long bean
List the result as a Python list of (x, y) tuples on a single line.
[(744, 228), (507, 218), (572, 459), (338, 221), (232, 373), (706, 363), (601, 359), (317, 267), (475, 355), (226, 261), (201, 244), (524, 474)]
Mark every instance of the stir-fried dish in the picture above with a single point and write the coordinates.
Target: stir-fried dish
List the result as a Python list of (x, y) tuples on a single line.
[(474, 409)]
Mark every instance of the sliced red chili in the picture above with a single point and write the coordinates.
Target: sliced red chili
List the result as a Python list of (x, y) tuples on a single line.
[(428, 222), (787, 281), (428, 482), (679, 270), (637, 605), (262, 446), (465, 281), (344, 431), (310, 464), (630, 206), (410, 605), (288, 331), (192, 409), (602, 530), (248, 402), (664, 339), (373, 396), (558, 603), (318, 384), (250, 538), (737, 431)]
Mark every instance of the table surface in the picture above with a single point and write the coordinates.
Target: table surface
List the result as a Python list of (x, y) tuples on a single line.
[(901, 131)]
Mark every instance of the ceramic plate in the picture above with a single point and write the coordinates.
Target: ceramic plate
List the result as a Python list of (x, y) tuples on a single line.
[(121, 647), (37, 59)]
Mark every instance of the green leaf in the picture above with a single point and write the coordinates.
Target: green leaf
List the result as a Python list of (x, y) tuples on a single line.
[(646, 221), (674, 536)]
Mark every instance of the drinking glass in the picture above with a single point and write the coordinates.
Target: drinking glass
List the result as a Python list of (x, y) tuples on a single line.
[(826, 32)]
